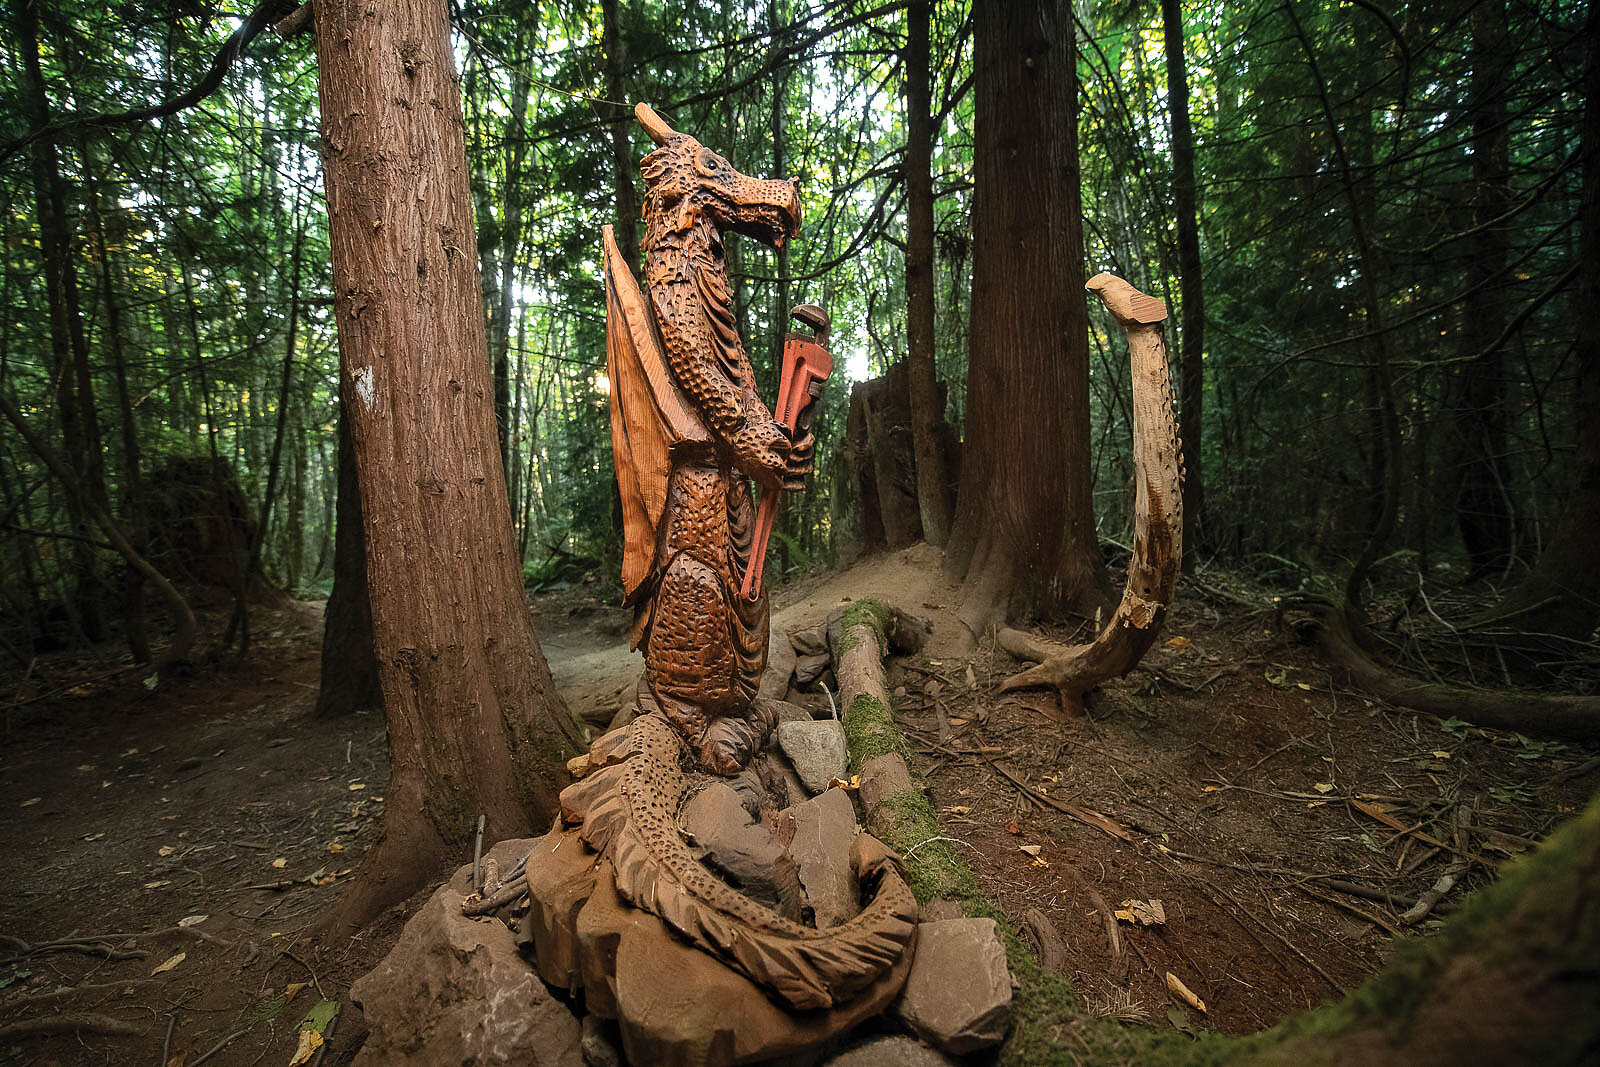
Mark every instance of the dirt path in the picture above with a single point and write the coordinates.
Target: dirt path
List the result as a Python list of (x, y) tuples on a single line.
[(214, 818)]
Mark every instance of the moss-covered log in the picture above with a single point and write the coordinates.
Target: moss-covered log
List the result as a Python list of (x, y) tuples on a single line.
[(1514, 977)]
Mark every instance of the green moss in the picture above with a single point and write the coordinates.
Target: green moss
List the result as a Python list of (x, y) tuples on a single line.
[(864, 612), (870, 732)]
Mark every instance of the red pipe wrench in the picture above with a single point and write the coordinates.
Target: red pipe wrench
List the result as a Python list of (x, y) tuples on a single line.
[(807, 363)]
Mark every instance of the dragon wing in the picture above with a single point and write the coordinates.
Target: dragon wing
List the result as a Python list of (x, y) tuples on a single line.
[(649, 416)]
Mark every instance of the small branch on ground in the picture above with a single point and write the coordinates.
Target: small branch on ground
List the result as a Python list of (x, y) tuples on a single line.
[(83, 1023)]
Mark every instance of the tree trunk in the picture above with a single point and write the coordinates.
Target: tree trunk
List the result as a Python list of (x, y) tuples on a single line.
[(1024, 532), (349, 665), (623, 167), (1561, 595), (927, 409), (69, 348), (475, 724), (1483, 507), (1191, 290)]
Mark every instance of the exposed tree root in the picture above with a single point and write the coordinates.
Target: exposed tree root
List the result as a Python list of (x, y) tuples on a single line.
[(1572, 718), (1158, 533), (72, 1022)]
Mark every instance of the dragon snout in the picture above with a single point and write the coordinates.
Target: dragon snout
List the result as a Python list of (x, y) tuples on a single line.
[(767, 209)]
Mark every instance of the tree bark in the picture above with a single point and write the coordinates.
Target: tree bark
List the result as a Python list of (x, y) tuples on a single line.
[(622, 165), (69, 349), (1191, 288), (349, 665), (1483, 506), (1024, 532), (927, 409), (475, 724)]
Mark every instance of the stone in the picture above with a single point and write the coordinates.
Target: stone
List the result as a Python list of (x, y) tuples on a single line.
[(599, 1042), (780, 666), (958, 997), (744, 852), (881, 778), (824, 830), (817, 751), (808, 669), (454, 989), (789, 712), (624, 717), (810, 642), (680, 1007), (941, 908), (560, 873), (892, 1051)]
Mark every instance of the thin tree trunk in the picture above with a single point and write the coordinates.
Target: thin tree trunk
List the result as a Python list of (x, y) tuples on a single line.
[(927, 411), (475, 724), (622, 165), (1191, 290), (69, 348), (1024, 532), (1483, 506), (349, 680), (241, 617)]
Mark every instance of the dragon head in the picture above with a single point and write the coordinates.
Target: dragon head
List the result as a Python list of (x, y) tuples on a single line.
[(684, 179)]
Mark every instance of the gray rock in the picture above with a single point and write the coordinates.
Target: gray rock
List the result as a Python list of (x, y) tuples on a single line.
[(627, 714), (817, 751), (745, 853), (811, 642), (601, 1043), (780, 666), (807, 669), (958, 997), (456, 990), (893, 1051), (824, 829), (788, 712)]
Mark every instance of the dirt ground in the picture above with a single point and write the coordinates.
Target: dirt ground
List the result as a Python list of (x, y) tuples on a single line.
[(1283, 824)]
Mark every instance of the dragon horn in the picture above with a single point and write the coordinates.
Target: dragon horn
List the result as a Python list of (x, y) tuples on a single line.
[(653, 124)]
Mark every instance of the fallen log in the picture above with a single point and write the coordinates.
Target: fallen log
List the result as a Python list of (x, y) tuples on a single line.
[(1158, 518)]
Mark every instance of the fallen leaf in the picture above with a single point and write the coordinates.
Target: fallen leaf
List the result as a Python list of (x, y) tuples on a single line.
[(957, 809), (1323, 787), (1304, 686), (840, 783), (335, 846), (165, 850), (94, 837), (292, 990), (1211, 789), (171, 962), (312, 1027), (156, 885), (1440, 754), (1179, 642), (1032, 850), (1184, 993), (972, 679), (192, 920), (1144, 912), (354, 786), (1013, 828), (280, 863), (31, 801)]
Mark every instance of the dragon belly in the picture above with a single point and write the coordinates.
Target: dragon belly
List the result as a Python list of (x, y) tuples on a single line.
[(705, 646)]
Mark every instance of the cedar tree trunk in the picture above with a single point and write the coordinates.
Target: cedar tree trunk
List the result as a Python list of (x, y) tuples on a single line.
[(927, 409), (1191, 368), (1024, 533), (475, 725)]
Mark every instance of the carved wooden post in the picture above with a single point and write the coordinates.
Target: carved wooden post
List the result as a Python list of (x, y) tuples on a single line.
[(1158, 519)]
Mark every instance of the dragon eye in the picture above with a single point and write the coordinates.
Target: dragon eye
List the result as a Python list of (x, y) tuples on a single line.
[(709, 162)]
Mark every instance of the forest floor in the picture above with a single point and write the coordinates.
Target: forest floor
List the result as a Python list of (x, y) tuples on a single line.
[(1261, 827)]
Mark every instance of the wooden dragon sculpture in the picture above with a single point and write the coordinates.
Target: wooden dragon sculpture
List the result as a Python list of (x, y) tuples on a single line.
[(687, 429)]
